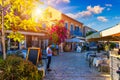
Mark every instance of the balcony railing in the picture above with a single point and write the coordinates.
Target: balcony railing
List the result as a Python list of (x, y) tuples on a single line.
[(76, 33)]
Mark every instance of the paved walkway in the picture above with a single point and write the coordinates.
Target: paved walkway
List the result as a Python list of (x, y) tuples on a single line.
[(72, 66)]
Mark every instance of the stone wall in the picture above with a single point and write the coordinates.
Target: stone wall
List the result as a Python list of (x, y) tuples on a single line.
[(114, 66)]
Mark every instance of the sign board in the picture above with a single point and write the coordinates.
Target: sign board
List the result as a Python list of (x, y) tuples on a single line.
[(34, 55)]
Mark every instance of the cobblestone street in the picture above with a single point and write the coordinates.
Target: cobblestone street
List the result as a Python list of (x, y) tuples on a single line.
[(72, 66)]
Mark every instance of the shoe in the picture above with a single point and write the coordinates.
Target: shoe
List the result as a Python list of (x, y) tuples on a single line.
[(49, 69)]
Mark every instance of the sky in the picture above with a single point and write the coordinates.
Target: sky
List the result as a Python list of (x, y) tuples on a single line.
[(97, 14)]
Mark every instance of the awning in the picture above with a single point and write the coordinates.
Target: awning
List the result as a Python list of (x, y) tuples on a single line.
[(94, 35), (42, 35), (110, 34), (111, 31)]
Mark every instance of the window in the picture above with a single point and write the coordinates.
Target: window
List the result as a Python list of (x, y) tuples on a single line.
[(77, 28), (71, 27), (66, 25), (77, 31), (14, 45)]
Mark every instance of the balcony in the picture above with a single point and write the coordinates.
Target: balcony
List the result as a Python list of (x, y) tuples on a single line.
[(76, 33)]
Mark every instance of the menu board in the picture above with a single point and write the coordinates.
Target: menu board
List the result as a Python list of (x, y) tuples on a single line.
[(34, 55)]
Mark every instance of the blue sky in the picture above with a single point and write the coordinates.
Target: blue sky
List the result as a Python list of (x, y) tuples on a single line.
[(97, 14)]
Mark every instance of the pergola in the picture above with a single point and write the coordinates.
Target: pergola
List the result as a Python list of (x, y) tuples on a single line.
[(110, 34)]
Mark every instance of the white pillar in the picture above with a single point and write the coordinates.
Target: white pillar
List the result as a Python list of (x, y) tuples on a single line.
[(25, 45), (61, 47), (47, 42), (72, 46), (8, 44), (32, 41), (119, 45), (20, 47), (39, 43)]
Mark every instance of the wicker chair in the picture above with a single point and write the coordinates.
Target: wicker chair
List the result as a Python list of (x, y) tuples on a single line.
[(104, 66)]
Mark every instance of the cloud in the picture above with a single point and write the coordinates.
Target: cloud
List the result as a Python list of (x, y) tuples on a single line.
[(117, 17), (108, 5), (55, 2), (68, 8), (82, 14), (75, 16), (87, 13), (101, 18), (66, 1), (95, 9), (91, 24)]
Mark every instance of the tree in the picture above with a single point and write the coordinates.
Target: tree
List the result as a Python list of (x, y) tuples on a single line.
[(89, 33), (16, 15), (58, 33)]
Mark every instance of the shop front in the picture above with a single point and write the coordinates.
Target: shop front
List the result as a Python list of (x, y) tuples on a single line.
[(32, 39)]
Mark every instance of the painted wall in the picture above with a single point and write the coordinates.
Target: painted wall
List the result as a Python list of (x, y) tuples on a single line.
[(72, 21), (55, 15)]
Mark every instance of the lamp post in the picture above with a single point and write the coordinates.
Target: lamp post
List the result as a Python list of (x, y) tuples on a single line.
[(2, 32)]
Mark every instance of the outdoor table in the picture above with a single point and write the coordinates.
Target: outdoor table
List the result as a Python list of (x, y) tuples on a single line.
[(97, 61)]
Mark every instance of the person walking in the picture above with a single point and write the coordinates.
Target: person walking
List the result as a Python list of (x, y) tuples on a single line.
[(49, 56), (57, 49)]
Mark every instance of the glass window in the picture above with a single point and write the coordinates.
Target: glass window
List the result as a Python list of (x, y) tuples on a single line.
[(14, 45), (76, 28), (66, 25), (71, 27)]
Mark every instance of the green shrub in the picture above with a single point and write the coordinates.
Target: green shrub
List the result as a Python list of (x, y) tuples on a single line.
[(112, 45), (15, 68), (1, 60)]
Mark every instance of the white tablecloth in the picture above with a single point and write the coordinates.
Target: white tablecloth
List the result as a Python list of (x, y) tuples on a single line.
[(97, 61)]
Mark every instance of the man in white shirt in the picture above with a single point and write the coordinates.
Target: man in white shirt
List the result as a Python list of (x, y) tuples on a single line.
[(49, 55)]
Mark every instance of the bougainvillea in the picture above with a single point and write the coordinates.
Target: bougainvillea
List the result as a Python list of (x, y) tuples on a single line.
[(58, 32)]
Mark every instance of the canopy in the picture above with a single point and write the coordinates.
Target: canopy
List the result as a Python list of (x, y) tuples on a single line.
[(94, 35), (110, 34), (74, 40), (111, 31)]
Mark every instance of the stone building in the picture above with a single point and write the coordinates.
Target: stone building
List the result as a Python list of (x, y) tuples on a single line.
[(40, 39)]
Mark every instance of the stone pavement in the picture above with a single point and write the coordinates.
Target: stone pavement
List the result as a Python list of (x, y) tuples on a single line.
[(72, 66)]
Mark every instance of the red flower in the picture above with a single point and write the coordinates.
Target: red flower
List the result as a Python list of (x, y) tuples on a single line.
[(60, 31)]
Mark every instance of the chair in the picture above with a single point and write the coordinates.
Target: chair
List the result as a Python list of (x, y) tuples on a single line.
[(92, 56), (104, 66)]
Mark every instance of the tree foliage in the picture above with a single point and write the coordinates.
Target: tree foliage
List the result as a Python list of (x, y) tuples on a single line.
[(17, 16), (58, 33), (89, 33)]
